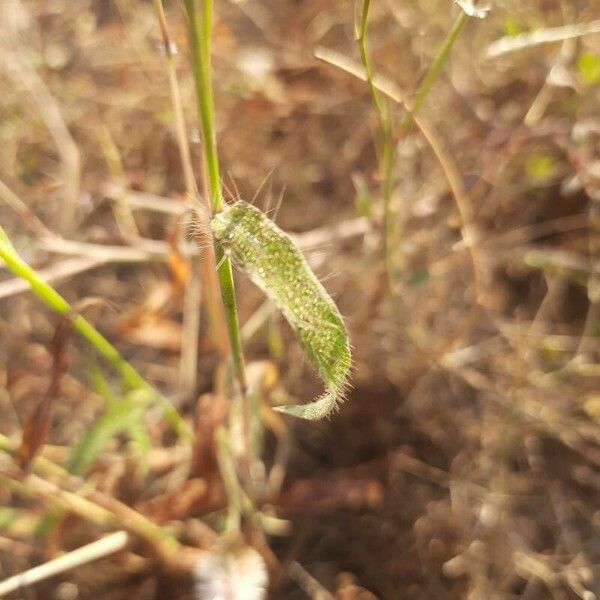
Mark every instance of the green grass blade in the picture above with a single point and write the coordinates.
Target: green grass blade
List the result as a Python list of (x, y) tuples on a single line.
[(120, 415), (200, 36), (56, 302), (274, 263), (116, 419), (436, 68), (387, 148)]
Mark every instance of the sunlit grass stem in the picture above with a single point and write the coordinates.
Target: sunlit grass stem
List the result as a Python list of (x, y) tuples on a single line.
[(200, 34)]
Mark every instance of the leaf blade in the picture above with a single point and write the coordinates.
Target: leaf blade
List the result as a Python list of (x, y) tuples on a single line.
[(274, 263)]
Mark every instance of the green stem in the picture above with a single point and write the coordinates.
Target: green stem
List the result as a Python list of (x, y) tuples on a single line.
[(230, 481), (208, 273), (388, 150), (436, 68), (225, 274), (361, 39), (200, 33), (56, 302)]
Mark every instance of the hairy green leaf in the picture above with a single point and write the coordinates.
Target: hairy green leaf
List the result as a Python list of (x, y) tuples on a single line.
[(274, 263)]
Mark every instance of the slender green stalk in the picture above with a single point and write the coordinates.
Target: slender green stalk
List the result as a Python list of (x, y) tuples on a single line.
[(432, 75), (207, 263), (200, 34), (230, 481), (231, 317), (361, 39), (388, 150), (436, 68), (200, 31), (56, 302)]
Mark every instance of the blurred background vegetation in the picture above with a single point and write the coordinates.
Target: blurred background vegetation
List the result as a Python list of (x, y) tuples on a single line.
[(465, 462)]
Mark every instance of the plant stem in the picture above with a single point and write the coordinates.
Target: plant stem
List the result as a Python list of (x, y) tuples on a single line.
[(207, 263), (200, 33), (230, 481), (432, 75), (84, 501), (434, 71), (387, 150), (81, 556), (56, 302), (361, 39), (176, 102)]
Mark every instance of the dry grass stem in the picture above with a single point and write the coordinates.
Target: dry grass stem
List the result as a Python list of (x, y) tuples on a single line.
[(101, 548), (547, 35)]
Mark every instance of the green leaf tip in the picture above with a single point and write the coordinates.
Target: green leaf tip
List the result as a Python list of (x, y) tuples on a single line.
[(275, 264)]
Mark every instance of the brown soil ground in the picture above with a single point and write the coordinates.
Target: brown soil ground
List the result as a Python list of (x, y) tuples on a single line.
[(464, 463)]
